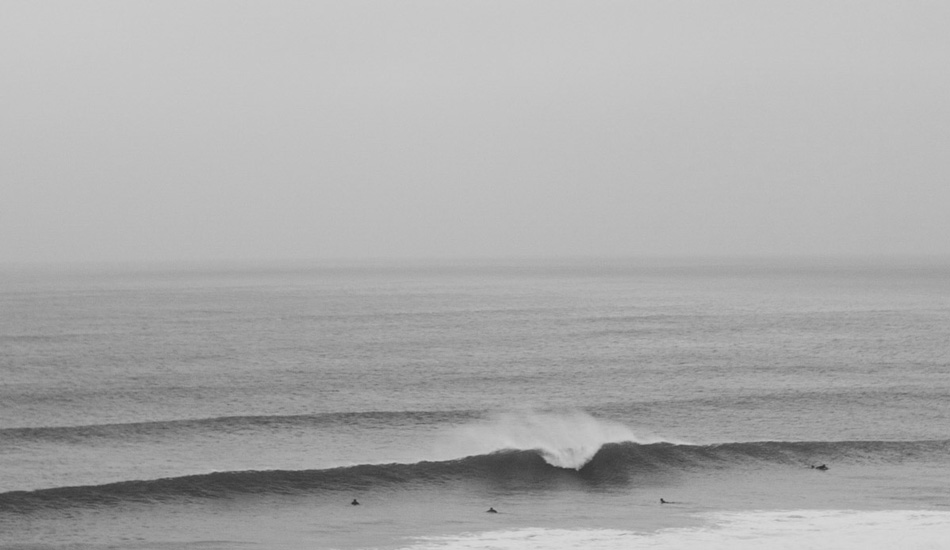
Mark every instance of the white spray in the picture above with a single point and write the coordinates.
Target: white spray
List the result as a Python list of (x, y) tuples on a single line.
[(567, 440)]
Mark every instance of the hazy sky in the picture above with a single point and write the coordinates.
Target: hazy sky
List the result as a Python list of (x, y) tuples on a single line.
[(189, 130)]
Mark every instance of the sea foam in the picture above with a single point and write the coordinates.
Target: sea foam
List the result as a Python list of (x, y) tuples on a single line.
[(813, 529)]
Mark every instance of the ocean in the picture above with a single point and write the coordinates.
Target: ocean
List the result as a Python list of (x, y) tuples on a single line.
[(249, 406)]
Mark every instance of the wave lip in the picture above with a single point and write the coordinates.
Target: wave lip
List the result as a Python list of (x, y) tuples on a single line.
[(565, 440)]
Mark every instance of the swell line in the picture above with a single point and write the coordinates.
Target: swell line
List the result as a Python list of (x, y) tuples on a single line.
[(614, 465), (74, 434)]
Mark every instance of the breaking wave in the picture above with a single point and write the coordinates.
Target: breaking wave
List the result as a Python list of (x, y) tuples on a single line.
[(566, 440), (612, 465)]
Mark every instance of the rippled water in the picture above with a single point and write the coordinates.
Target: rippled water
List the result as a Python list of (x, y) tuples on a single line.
[(150, 407)]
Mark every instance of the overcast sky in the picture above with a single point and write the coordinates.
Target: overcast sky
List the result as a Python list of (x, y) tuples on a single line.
[(227, 130)]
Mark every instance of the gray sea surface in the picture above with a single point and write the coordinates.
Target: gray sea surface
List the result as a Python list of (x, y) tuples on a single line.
[(224, 406)]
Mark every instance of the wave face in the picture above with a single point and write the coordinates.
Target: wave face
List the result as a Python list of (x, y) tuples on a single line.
[(614, 465)]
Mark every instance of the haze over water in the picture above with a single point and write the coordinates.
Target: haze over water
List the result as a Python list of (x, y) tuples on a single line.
[(221, 131), (562, 259)]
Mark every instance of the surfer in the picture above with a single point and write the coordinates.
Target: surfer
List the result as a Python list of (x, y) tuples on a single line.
[(663, 501), (822, 467), (491, 511), (355, 502)]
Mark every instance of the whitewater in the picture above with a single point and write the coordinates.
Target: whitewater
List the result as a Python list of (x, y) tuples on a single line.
[(247, 407)]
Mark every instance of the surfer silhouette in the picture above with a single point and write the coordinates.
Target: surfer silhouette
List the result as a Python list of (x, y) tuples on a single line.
[(663, 501), (822, 467), (355, 502), (492, 511)]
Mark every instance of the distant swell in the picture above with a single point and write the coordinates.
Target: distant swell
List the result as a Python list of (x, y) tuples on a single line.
[(173, 428), (614, 465)]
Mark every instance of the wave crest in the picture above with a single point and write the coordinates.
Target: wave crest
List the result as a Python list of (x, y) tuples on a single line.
[(565, 440)]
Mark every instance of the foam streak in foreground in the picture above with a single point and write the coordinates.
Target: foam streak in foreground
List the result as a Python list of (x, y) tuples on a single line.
[(784, 530)]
